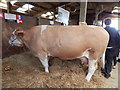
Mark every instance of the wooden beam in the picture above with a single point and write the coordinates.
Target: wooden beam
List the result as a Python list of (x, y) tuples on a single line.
[(78, 3), (83, 10), (36, 5), (51, 9), (35, 10), (51, 4), (32, 9), (29, 12), (14, 12), (11, 10)]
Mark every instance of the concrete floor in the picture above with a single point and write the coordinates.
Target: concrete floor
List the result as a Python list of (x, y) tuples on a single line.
[(112, 82)]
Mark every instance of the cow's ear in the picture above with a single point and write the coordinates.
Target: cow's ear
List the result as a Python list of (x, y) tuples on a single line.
[(19, 32)]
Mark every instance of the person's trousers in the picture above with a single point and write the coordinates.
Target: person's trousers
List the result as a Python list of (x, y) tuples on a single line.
[(108, 62)]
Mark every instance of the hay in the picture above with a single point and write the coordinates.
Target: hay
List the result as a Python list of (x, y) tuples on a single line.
[(26, 71)]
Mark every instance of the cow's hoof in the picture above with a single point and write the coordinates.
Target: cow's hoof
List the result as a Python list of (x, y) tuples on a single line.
[(46, 70), (88, 80)]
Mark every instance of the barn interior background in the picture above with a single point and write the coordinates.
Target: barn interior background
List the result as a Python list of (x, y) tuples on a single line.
[(46, 13)]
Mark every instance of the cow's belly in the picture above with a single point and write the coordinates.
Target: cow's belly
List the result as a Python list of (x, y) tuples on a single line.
[(70, 54)]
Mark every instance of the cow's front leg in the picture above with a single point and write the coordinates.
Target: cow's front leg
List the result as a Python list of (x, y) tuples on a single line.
[(44, 62), (91, 69)]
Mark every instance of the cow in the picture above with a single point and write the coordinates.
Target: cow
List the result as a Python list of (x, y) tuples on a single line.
[(65, 42)]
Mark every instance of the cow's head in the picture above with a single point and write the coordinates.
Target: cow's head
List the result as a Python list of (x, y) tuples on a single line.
[(16, 38)]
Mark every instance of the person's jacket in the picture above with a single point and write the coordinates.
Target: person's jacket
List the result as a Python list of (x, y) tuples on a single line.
[(114, 40)]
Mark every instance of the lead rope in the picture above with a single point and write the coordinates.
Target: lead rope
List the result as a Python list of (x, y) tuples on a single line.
[(11, 43)]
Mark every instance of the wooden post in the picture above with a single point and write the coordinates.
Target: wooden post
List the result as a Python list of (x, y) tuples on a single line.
[(9, 7), (96, 15), (83, 10), (38, 20), (1, 23), (54, 16)]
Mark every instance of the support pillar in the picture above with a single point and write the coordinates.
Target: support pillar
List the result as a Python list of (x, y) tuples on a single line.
[(83, 11), (9, 7)]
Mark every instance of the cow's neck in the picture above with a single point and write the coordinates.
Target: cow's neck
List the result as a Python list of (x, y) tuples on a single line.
[(27, 39)]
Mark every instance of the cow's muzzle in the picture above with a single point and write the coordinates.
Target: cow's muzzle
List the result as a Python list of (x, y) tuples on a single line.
[(14, 41)]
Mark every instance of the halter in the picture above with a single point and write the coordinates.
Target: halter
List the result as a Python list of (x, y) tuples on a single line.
[(12, 40)]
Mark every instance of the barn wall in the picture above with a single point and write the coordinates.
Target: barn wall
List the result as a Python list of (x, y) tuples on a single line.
[(8, 28), (44, 21), (74, 19), (47, 22)]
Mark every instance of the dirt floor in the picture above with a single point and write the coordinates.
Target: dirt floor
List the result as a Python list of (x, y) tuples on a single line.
[(26, 71)]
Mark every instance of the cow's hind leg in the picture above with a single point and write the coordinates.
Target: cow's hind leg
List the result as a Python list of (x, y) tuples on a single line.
[(91, 69), (50, 60), (102, 61)]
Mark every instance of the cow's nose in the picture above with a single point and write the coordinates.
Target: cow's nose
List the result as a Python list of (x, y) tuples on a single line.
[(21, 45)]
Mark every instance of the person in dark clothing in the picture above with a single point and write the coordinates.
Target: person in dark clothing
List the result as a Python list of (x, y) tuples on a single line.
[(113, 50), (119, 47)]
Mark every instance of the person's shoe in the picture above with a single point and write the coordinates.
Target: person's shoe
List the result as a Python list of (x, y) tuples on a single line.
[(118, 60), (114, 67), (107, 75)]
